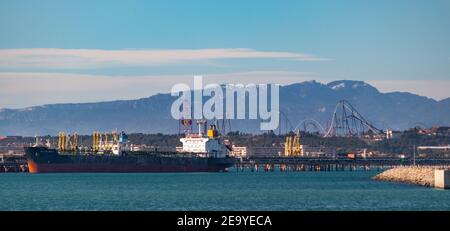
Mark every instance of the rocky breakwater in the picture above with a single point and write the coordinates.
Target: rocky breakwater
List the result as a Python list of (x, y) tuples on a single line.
[(422, 175)]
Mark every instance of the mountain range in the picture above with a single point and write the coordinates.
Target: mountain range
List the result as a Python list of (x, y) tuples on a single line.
[(299, 101)]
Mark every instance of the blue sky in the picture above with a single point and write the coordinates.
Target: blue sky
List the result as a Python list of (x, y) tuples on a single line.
[(383, 42)]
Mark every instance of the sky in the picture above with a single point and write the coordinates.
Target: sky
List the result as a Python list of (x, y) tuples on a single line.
[(88, 51)]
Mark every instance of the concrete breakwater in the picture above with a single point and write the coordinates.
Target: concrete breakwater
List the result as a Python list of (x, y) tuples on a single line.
[(419, 175)]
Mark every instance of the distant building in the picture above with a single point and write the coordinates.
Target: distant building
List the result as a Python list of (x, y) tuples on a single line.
[(435, 131), (14, 137), (319, 151), (442, 131), (135, 148), (372, 137), (265, 151), (238, 151), (441, 151), (390, 134)]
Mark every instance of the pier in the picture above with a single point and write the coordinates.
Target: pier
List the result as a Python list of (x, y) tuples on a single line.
[(330, 163), (16, 163), (13, 163)]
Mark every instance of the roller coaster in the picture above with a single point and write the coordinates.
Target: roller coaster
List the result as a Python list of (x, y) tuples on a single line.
[(346, 121)]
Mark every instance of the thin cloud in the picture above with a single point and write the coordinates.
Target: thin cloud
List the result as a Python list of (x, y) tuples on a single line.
[(53, 58)]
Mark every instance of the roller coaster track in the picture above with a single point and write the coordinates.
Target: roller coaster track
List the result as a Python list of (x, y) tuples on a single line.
[(311, 122), (347, 121)]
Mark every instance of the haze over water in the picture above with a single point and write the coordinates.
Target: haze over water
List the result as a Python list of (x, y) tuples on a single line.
[(215, 191)]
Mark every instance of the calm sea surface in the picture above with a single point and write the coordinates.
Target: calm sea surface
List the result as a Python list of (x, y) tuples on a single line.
[(214, 191)]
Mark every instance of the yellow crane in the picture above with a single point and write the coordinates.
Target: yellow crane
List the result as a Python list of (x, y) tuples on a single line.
[(288, 146), (100, 141), (292, 146), (61, 141), (75, 141), (95, 141), (115, 137), (67, 143), (105, 144)]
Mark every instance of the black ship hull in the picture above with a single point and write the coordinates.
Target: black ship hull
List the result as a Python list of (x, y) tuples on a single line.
[(44, 160)]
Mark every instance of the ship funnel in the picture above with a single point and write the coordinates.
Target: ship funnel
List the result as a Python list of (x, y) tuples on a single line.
[(213, 132)]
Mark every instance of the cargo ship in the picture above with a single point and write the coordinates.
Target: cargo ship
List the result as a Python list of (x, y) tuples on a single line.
[(200, 153)]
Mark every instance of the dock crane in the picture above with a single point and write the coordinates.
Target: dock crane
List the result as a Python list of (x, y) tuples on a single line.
[(292, 146)]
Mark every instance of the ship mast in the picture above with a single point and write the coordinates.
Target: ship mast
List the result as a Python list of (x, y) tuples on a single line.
[(201, 126)]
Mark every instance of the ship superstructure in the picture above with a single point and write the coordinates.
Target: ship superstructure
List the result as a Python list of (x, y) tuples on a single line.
[(206, 145)]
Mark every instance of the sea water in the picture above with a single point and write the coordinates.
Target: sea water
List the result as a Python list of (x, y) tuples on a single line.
[(214, 191)]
